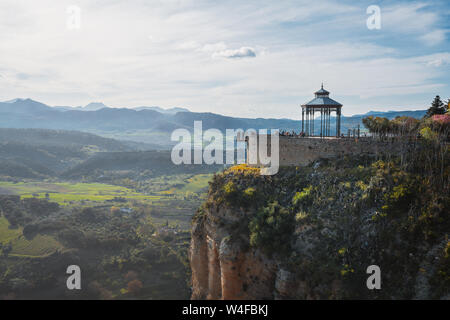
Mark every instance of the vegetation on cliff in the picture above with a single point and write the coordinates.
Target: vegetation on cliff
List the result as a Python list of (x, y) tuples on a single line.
[(326, 223)]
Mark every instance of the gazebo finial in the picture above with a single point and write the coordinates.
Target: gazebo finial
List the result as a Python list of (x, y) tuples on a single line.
[(322, 85)]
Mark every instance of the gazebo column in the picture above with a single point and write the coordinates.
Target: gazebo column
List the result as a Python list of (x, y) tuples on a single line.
[(338, 125), (321, 122), (328, 122), (303, 120), (307, 122)]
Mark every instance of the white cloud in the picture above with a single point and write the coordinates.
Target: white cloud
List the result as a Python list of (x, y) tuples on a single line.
[(420, 19), (408, 17), (214, 47), (243, 52), (434, 37), (188, 45)]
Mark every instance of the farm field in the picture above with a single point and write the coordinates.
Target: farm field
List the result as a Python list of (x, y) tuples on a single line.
[(65, 193), (40, 246), (180, 185)]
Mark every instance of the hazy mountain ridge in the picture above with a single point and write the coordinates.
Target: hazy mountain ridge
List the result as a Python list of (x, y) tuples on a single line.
[(94, 106), (34, 153), (43, 153), (161, 110), (27, 113), (60, 138)]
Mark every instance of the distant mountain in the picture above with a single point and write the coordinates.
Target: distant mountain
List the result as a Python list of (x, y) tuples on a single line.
[(147, 124), (13, 100), (24, 106), (94, 106), (161, 110), (392, 114)]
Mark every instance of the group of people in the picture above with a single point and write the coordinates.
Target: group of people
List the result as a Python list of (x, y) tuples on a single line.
[(291, 133)]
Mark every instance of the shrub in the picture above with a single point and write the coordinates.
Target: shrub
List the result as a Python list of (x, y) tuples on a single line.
[(303, 197), (244, 169), (428, 134), (134, 286), (271, 229), (230, 191)]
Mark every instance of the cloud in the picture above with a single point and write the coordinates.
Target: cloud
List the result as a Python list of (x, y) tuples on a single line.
[(421, 19), (438, 60), (23, 76), (188, 45), (186, 61), (408, 17), (243, 52), (214, 47), (221, 50), (434, 37)]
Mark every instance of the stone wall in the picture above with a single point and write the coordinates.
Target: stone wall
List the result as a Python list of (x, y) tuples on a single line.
[(295, 151)]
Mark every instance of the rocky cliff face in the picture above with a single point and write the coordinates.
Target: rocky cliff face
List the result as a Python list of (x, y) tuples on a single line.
[(224, 268), (311, 233)]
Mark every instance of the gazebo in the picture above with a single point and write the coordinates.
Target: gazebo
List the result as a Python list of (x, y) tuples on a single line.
[(323, 104)]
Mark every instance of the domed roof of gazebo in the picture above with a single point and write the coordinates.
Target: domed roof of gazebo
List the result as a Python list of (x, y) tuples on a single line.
[(321, 92), (322, 100)]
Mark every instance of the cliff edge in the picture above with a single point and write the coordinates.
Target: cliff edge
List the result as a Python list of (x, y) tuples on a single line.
[(311, 232)]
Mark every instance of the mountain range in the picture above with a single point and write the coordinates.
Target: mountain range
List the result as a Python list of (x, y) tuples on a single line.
[(94, 106), (142, 124)]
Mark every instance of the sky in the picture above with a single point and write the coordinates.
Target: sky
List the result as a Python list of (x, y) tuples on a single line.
[(239, 58)]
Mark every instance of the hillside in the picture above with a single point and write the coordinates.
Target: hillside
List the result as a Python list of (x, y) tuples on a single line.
[(104, 166), (311, 232), (38, 153), (61, 138)]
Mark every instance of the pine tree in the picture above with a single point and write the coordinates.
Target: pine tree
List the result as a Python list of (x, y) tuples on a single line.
[(437, 107)]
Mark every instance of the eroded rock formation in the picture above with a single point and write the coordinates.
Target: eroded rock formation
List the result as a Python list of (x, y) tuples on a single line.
[(311, 233)]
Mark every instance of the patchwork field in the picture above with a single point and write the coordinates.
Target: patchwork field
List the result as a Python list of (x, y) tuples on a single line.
[(6, 234), (39, 246), (65, 193), (170, 199), (181, 185)]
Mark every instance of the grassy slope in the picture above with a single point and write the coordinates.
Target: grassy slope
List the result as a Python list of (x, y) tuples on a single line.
[(39, 246), (63, 192)]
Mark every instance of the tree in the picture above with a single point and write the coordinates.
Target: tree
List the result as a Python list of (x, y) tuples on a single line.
[(131, 275), (115, 210), (379, 125), (437, 107), (404, 125), (135, 286)]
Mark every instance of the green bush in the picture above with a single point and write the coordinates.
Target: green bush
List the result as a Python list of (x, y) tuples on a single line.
[(303, 197), (271, 229)]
